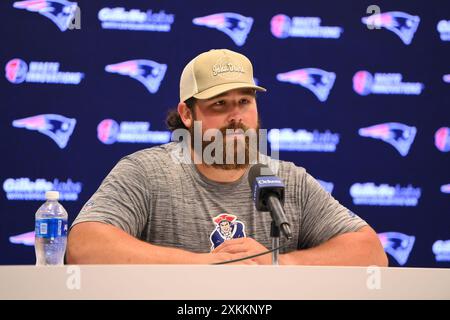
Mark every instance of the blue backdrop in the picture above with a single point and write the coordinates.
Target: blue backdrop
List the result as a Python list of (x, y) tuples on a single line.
[(358, 93)]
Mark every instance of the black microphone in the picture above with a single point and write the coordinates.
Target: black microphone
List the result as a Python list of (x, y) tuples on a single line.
[(268, 195)]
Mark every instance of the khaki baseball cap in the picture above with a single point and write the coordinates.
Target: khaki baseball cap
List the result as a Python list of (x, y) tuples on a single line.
[(214, 72)]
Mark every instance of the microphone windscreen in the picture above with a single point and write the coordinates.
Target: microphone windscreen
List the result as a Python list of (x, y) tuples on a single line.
[(258, 170)]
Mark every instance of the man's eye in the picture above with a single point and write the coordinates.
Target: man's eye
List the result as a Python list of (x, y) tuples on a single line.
[(219, 103)]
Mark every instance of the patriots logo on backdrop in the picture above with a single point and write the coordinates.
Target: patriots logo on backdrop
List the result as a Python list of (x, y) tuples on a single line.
[(55, 126), (399, 135), (398, 245), (402, 24), (227, 227), (147, 72), (61, 12), (26, 239), (320, 82), (236, 26)]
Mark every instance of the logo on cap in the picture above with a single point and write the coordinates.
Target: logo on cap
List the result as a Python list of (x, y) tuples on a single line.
[(227, 70)]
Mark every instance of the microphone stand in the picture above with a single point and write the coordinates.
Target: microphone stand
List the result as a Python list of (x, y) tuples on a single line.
[(275, 234), (279, 221)]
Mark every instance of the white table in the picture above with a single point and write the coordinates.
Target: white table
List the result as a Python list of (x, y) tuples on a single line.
[(194, 282)]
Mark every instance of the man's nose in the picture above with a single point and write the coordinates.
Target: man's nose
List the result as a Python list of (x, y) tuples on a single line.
[(235, 114)]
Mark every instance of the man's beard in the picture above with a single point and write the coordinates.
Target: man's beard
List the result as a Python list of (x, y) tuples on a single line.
[(243, 150)]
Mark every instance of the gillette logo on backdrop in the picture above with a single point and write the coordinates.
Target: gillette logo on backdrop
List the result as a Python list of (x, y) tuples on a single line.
[(283, 26), (402, 24), (398, 245), (384, 83), (109, 132), (234, 25), (398, 135), (319, 82), (55, 126), (17, 71), (443, 27), (26, 189), (441, 250), (370, 194), (61, 12), (147, 72), (442, 139), (287, 139), (135, 19)]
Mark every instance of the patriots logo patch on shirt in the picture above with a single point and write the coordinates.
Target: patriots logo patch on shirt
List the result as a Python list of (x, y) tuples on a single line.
[(227, 227)]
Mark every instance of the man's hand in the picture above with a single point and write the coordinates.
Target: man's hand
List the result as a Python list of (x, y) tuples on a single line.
[(244, 247)]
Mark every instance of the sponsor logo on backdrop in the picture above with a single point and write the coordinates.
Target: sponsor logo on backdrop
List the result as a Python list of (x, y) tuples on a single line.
[(234, 25), (319, 82), (55, 126), (109, 132), (283, 26), (26, 189), (287, 139), (369, 194), (26, 239), (398, 135), (441, 250), (61, 12), (402, 24), (445, 188), (365, 83), (398, 245), (135, 19), (442, 139), (446, 78), (147, 72), (18, 71), (328, 186), (443, 27)]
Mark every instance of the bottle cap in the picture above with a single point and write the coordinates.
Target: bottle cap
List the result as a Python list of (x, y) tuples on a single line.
[(52, 195)]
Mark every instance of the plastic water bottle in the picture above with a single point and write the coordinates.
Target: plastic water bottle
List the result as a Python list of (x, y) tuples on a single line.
[(51, 231)]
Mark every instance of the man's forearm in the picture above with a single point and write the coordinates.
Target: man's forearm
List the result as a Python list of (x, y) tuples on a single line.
[(98, 243), (361, 248)]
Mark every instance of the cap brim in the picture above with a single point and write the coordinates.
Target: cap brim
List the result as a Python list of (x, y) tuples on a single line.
[(215, 91)]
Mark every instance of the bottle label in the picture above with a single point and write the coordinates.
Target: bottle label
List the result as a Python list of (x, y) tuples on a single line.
[(51, 228)]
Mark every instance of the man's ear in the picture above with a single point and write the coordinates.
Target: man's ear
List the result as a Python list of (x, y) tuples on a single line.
[(185, 114)]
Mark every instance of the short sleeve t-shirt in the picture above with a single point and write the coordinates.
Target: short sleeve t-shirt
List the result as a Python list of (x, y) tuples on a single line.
[(164, 202)]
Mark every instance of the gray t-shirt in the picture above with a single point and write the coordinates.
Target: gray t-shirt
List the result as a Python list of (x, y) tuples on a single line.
[(167, 203)]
